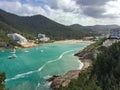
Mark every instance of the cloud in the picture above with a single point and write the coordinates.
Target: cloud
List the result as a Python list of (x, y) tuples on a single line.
[(94, 11), (85, 12), (18, 8), (94, 8), (63, 17), (113, 9), (65, 5), (93, 2)]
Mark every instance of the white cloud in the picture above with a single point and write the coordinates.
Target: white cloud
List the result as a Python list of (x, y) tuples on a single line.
[(63, 11), (21, 9), (113, 8), (68, 5)]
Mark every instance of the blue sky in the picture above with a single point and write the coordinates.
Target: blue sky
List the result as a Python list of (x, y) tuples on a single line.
[(84, 12)]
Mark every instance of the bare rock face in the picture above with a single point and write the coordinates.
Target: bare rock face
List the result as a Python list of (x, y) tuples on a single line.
[(109, 42), (83, 55), (52, 78), (65, 79), (5, 45)]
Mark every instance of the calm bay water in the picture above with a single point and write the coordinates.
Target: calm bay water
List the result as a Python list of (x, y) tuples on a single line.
[(33, 65)]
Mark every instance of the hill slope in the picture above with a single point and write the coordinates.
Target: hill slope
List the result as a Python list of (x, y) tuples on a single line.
[(40, 24)]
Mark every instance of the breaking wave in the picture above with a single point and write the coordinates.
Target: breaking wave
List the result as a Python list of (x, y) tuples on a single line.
[(41, 68)]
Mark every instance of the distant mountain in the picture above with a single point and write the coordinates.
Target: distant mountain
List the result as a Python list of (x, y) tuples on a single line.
[(102, 29), (40, 24), (80, 27)]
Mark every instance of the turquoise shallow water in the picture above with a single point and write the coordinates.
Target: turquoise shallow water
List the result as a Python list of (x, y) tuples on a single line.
[(33, 65)]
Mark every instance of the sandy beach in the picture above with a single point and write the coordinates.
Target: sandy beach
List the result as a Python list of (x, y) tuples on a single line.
[(75, 41), (29, 44), (32, 44)]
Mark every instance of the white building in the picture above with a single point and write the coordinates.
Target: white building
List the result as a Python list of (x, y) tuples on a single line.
[(41, 35), (18, 38), (43, 38)]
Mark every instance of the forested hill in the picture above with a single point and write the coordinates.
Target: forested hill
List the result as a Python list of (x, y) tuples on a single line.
[(40, 24)]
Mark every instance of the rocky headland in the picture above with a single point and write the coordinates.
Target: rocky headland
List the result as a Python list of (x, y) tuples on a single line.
[(86, 56)]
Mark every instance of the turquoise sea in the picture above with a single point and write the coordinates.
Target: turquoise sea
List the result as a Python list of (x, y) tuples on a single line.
[(33, 66)]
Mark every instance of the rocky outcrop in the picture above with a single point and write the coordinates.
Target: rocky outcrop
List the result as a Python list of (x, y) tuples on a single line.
[(5, 45), (63, 81), (87, 54), (109, 42)]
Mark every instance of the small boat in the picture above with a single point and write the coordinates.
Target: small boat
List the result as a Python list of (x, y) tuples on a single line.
[(26, 51), (14, 51), (13, 56)]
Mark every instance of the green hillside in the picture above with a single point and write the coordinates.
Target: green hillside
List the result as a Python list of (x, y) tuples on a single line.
[(40, 24), (2, 81), (7, 42)]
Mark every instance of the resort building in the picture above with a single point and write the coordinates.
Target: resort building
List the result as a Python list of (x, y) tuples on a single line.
[(43, 38), (18, 38), (41, 35), (114, 34)]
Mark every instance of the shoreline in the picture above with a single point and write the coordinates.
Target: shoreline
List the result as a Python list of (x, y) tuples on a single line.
[(75, 41), (64, 80), (86, 64), (31, 44), (25, 45)]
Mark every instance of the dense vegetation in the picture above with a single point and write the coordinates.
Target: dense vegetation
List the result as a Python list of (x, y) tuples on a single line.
[(2, 81), (7, 42), (103, 75), (40, 24)]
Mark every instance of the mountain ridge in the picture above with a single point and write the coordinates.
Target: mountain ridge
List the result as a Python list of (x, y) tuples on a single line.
[(40, 24), (102, 29)]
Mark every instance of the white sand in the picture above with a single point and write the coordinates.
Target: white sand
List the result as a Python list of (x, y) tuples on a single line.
[(29, 44), (75, 41)]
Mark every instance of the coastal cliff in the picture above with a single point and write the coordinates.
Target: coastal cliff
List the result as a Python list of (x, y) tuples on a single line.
[(103, 74), (64, 80), (86, 56)]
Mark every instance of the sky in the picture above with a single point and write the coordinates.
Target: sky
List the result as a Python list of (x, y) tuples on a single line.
[(67, 12)]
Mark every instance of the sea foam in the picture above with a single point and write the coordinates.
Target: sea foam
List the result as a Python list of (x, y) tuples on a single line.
[(22, 75)]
